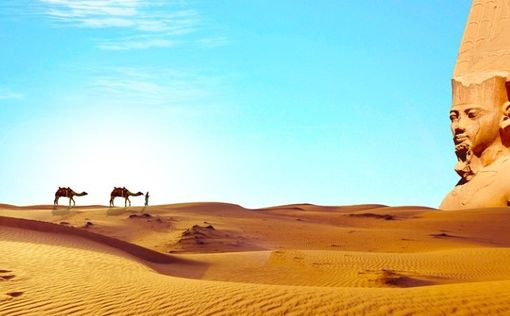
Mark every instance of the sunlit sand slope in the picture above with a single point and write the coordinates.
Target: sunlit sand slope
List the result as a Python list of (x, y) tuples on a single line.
[(359, 269)]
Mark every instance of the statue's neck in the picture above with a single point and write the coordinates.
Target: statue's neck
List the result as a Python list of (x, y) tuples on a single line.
[(490, 154), (469, 166)]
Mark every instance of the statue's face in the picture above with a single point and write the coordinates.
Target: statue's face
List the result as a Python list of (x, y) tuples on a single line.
[(474, 127)]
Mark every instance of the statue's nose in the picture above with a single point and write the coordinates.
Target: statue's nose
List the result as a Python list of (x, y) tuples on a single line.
[(459, 125)]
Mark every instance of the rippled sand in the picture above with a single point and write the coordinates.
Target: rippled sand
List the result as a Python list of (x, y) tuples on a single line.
[(222, 259)]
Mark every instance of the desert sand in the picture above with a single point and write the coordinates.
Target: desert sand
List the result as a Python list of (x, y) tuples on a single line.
[(223, 259)]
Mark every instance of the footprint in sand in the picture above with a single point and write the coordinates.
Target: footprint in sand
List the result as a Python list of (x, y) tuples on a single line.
[(4, 276), (14, 294)]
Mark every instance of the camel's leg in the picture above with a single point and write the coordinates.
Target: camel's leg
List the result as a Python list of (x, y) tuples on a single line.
[(111, 201), (55, 203), (70, 199), (74, 202)]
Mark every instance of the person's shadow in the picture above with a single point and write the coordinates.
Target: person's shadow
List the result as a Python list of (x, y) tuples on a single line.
[(116, 211), (60, 211)]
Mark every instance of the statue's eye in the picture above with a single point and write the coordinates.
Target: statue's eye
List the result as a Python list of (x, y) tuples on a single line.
[(472, 114), (453, 116)]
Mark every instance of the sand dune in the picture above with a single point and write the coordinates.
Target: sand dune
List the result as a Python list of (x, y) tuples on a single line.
[(359, 269), (217, 258)]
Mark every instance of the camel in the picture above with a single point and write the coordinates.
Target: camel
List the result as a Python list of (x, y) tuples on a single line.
[(122, 192), (68, 193)]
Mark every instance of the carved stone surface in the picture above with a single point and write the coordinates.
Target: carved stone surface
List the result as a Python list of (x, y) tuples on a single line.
[(485, 45), (480, 112)]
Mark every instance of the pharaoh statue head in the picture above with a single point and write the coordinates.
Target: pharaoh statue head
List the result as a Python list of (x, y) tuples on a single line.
[(480, 115), (480, 124)]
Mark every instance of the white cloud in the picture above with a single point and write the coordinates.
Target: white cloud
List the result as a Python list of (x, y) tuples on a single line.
[(151, 86), (215, 41), (107, 22), (152, 26), (7, 94), (147, 24), (81, 8), (139, 44)]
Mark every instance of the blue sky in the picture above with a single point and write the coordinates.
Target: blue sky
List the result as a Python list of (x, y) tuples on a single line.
[(251, 102)]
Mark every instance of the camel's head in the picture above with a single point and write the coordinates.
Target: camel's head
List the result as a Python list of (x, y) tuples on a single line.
[(85, 193), (139, 193)]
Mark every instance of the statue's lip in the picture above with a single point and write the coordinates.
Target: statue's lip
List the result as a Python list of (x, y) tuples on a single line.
[(460, 138)]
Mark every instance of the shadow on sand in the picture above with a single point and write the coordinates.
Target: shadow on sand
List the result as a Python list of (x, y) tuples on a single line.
[(115, 211), (61, 211)]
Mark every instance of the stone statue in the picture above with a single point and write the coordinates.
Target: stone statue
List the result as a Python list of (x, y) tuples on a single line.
[(480, 112), (480, 117)]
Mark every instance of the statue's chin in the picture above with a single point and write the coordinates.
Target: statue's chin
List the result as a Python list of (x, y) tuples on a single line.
[(463, 167), (464, 151), (464, 170)]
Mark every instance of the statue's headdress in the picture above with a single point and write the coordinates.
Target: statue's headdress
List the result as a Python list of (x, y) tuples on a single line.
[(493, 90)]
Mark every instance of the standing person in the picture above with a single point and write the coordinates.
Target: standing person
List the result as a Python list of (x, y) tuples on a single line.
[(147, 199)]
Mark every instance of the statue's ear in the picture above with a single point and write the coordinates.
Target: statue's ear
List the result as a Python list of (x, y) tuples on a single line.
[(505, 120)]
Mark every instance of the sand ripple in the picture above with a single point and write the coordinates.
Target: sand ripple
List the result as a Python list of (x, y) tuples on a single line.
[(72, 275)]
